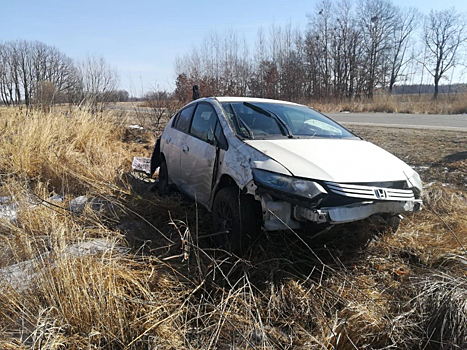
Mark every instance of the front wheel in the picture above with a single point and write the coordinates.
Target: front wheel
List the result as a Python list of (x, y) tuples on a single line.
[(393, 222), (235, 219)]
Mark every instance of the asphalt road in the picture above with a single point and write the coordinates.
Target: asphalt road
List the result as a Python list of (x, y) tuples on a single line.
[(457, 122)]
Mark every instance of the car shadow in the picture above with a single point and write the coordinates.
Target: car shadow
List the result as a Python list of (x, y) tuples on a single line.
[(176, 230), (275, 257)]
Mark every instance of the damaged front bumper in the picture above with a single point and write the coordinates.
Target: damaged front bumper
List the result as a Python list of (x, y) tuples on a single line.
[(335, 204), (354, 212), (280, 215)]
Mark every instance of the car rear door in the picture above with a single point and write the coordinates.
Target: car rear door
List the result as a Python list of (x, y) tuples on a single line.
[(174, 141), (198, 156)]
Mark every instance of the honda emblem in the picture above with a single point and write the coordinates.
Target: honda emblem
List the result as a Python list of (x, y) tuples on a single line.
[(380, 193)]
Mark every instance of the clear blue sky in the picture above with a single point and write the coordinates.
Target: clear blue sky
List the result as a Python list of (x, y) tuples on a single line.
[(141, 38)]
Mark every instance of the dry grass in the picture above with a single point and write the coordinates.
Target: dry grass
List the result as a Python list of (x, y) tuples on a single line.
[(347, 290), (73, 151), (384, 103)]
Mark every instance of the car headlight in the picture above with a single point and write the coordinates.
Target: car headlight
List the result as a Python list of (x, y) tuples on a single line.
[(415, 181), (288, 184)]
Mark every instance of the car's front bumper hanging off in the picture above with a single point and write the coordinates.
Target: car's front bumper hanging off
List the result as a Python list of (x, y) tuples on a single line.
[(354, 212)]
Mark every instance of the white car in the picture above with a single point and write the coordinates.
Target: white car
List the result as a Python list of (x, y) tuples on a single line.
[(278, 165)]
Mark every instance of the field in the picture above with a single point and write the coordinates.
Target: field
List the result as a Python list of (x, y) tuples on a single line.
[(129, 269), (409, 103)]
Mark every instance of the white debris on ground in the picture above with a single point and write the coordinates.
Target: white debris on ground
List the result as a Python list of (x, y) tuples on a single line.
[(21, 275), (141, 164), (135, 126)]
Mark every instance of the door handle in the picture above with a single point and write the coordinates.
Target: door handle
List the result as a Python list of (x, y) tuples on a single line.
[(185, 149), (168, 140)]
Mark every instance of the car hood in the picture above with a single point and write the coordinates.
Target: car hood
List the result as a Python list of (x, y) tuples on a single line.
[(338, 160)]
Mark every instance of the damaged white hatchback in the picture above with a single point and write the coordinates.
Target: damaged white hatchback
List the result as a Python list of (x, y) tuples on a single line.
[(278, 165)]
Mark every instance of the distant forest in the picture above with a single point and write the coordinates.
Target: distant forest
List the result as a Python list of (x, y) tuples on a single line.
[(34, 73), (349, 50), (429, 89)]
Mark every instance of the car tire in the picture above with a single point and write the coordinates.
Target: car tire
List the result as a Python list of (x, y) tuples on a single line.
[(163, 184), (392, 223), (235, 219)]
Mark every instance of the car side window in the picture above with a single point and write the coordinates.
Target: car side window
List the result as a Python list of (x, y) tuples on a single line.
[(204, 123), (184, 119), (175, 120)]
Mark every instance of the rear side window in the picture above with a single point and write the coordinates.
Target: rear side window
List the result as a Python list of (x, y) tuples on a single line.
[(204, 123), (184, 119)]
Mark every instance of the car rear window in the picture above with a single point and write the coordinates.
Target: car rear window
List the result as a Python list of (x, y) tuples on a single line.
[(184, 119)]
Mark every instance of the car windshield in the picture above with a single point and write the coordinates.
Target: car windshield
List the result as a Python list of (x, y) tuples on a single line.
[(266, 120)]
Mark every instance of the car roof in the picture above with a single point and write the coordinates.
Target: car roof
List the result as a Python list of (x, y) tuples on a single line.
[(251, 100)]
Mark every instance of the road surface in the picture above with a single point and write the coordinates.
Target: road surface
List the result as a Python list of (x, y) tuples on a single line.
[(456, 122)]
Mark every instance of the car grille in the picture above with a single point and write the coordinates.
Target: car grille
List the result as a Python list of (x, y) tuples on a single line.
[(370, 192)]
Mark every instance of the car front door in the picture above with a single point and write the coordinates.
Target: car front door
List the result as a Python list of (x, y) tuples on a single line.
[(198, 156)]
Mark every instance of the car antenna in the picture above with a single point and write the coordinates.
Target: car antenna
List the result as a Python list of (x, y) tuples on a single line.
[(195, 92)]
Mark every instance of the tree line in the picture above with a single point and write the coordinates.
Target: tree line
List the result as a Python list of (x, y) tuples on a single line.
[(34, 73), (349, 50)]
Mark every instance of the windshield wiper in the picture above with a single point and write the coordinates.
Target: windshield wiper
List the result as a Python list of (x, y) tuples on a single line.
[(237, 118), (272, 115)]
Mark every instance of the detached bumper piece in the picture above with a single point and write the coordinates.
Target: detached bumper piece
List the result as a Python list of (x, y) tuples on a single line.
[(354, 212), (141, 165)]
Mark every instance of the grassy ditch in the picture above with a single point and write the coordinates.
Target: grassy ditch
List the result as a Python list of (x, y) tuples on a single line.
[(171, 289)]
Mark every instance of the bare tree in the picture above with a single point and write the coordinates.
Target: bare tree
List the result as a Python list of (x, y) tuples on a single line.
[(406, 23), (346, 51), (320, 24), (98, 82), (157, 108), (35, 72), (444, 33), (7, 87), (377, 20)]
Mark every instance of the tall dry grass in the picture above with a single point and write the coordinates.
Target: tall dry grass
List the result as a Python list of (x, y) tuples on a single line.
[(352, 288), (384, 103), (72, 151)]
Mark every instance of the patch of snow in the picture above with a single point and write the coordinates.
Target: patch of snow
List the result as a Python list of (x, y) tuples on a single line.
[(56, 198), (5, 199), (20, 276), (99, 205), (135, 126), (77, 204), (420, 167), (8, 212)]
